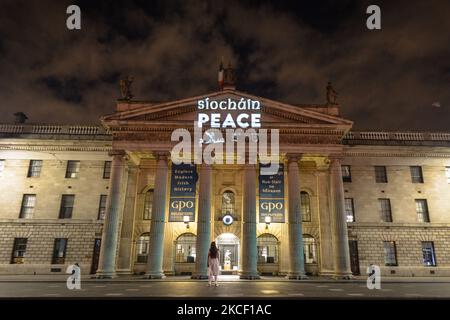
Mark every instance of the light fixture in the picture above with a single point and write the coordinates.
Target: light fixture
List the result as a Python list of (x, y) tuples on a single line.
[(186, 220), (268, 220)]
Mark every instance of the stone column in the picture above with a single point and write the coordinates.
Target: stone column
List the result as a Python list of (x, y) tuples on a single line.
[(108, 251), (339, 223), (126, 236), (297, 265), (204, 222), (156, 247), (249, 253)]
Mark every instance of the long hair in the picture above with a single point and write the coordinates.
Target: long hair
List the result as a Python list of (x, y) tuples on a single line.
[(213, 250)]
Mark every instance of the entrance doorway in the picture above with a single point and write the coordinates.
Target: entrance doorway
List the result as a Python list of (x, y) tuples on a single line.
[(354, 259), (95, 255), (228, 245)]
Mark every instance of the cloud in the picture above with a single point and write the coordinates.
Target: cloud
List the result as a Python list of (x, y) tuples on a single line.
[(385, 79)]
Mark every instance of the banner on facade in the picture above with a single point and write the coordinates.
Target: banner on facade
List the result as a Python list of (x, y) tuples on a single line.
[(271, 195), (182, 192)]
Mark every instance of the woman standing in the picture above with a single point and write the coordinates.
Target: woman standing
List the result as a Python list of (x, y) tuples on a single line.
[(213, 263)]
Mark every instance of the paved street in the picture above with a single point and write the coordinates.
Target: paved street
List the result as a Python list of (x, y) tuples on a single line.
[(229, 287)]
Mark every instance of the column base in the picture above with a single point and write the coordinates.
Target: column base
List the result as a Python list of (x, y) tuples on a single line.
[(249, 276), (105, 275), (343, 276), (297, 276), (154, 276), (123, 272), (199, 276)]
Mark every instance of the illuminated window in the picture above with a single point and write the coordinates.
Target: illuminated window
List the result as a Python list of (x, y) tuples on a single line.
[(73, 169), (447, 174), (19, 249), (346, 174), (59, 251), (34, 169), (349, 209), (380, 174), (66, 209), (385, 210), (185, 248), (2, 167), (310, 249), (142, 248), (305, 206), (148, 205), (228, 203), (102, 207), (390, 253), (429, 258), (416, 174), (267, 245), (28, 204), (422, 210), (107, 170)]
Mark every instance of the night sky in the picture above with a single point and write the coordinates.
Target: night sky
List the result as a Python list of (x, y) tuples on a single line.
[(396, 78)]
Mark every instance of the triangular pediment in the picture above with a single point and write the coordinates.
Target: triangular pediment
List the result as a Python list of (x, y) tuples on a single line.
[(186, 111)]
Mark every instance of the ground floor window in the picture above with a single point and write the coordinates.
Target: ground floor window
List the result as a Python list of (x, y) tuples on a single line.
[(142, 248), (310, 249), (19, 249), (185, 248), (390, 253), (429, 258), (267, 248), (59, 251)]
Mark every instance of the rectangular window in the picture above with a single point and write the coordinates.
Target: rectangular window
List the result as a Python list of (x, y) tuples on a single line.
[(380, 174), (67, 201), (429, 258), (2, 167), (349, 210), (447, 174), (390, 253), (416, 174), (19, 249), (422, 210), (59, 251), (28, 204), (102, 207), (385, 210), (73, 169), (34, 169), (346, 174), (107, 170), (148, 205)]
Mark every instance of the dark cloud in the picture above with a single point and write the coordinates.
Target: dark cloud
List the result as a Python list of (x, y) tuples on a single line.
[(386, 79)]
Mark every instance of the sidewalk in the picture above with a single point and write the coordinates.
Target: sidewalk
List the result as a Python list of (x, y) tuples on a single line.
[(223, 278)]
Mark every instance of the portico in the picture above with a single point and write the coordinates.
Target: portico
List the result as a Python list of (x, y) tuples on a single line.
[(226, 198)]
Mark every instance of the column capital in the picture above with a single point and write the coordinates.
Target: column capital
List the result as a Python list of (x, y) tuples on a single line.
[(113, 153), (336, 157), (293, 157), (161, 155)]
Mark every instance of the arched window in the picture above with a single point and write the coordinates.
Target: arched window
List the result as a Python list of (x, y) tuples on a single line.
[(142, 247), (305, 206), (185, 248), (228, 203), (267, 248), (148, 205), (310, 249)]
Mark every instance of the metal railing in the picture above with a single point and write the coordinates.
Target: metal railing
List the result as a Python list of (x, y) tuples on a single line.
[(398, 136), (52, 129)]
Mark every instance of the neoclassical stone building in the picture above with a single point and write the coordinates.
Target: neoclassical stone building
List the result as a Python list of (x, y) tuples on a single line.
[(106, 197)]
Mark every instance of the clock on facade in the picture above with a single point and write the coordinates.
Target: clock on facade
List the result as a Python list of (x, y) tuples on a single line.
[(227, 219)]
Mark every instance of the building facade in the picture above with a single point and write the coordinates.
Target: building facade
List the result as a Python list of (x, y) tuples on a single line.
[(104, 197)]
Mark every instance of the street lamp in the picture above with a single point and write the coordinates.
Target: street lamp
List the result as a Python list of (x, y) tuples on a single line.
[(268, 220), (186, 220)]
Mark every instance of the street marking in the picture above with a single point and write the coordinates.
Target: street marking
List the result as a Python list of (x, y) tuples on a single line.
[(270, 291), (355, 294), (413, 294), (336, 289), (114, 294), (132, 289), (146, 286), (322, 286), (52, 294), (54, 286), (99, 286), (296, 294)]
